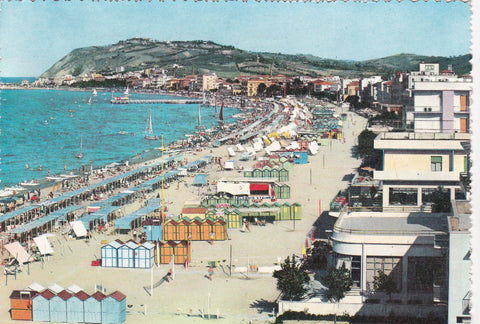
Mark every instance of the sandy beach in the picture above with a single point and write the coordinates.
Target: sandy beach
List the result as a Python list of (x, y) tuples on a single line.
[(239, 298)]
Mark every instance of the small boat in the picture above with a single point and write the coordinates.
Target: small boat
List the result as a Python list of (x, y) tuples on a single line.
[(126, 93), (122, 132), (45, 122), (204, 103), (94, 92), (80, 154), (30, 183), (149, 128), (54, 178), (89, 100)]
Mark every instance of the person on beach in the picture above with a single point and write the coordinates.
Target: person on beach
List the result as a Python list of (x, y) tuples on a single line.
[(247, 224), (210, 273), (168, 276)]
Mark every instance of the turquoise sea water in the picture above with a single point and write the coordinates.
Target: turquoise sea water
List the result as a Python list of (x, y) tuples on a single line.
[(25, 139)]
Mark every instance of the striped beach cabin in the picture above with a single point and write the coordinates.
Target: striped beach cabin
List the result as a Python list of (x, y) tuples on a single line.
[(75, 307), (145, 255), (58, 306), (114, 308), (126, 255), (110, 254), (93, 308), (41, 306)]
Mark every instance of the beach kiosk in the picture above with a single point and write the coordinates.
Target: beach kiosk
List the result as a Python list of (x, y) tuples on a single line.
[(110, 254), (144, 255), (41, 306), (126, 255), (21, 304), (93, 308), (58, 306), (75, 307), (114, 308)]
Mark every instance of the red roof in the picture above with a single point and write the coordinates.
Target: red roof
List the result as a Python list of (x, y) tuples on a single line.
[(118, 296), (201, 210), (82, 295), (321, 82), (98, 296), (354, 83), (47, 294), (64, 295), (389, 82)]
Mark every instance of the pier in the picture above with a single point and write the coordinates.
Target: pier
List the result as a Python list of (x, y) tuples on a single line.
[(155, 101)]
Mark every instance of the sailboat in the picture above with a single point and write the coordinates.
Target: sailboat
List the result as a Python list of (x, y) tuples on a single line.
[(149, 129), (89, 100), (94, 92), (205, 104), (200, 126), (80, 154), (126, 93), (221, 121)]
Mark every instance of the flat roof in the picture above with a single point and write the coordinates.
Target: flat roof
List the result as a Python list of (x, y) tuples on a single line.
[(392, 223), (421, 141)]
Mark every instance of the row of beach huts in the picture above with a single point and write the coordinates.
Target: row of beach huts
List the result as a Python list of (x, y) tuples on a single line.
[(70, 305)]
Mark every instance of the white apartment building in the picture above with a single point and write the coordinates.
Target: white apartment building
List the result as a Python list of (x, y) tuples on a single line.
[(209, 82)]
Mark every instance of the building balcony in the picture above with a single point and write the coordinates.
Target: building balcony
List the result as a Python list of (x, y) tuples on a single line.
[(416, 175)]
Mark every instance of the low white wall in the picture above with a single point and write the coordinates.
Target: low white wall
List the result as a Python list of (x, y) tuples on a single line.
[(319, 308)]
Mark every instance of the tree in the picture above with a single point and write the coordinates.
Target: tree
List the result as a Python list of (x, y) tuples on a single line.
[(365, 142), (338, 281), (441, 201), (261, 89), (291, 279), (384, 283)]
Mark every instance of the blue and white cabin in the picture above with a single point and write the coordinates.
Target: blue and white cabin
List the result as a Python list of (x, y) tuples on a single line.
[(75, 307), (145, 255), (154, 229), (109, 254), (41, 306), (126, 255), (58, 306), (114, 308), (93, 308)]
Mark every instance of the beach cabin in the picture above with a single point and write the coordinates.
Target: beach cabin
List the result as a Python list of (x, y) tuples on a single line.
[(182, 251), (183, 230), (58, 306), (166, 252), (41, 306), (195, 230), (170, 231), (109, 253), (93, 308), (233, 218), (114, 308), (126, 255), (21, 304), (220, 230), (75, 307), (153, 227), (144, 255), (206, 230)]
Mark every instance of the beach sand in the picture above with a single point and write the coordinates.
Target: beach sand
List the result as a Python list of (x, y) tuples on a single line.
[(239, 298)]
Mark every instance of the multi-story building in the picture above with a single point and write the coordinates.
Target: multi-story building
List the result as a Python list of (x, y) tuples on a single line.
[(416, 164), (252, 86), (209, 82)]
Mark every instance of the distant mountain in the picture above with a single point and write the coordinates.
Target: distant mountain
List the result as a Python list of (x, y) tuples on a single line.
[(228, 61)]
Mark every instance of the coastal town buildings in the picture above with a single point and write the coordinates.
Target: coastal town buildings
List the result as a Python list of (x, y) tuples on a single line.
[(209, 82)]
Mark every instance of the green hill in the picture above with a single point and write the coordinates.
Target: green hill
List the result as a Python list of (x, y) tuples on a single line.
[(228, 61)]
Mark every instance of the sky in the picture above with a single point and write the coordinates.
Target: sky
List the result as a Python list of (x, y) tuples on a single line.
[(36, 34)]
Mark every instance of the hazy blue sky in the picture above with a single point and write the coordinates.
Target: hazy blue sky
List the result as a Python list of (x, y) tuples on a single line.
[(33, 36)]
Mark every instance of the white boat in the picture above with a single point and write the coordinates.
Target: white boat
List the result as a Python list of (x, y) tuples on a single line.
[(94, 92), (126, 93), (89, 100), (45, 122), (30, 183), (54, 178), (149, 128), (80, 154), (200, 126)]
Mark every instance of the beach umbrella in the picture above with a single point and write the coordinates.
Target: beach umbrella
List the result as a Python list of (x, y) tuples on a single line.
[(303, 250), (313, 236)]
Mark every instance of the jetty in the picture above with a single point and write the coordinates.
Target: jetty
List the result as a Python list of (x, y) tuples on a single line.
[(123, 101)]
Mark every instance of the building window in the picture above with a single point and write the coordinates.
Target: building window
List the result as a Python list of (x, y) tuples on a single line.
[(353, 263), (391, 266), (425, 272), (436, 163), (403, 196)]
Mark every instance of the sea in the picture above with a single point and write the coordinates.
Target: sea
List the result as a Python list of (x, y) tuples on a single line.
[(45, 127)]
